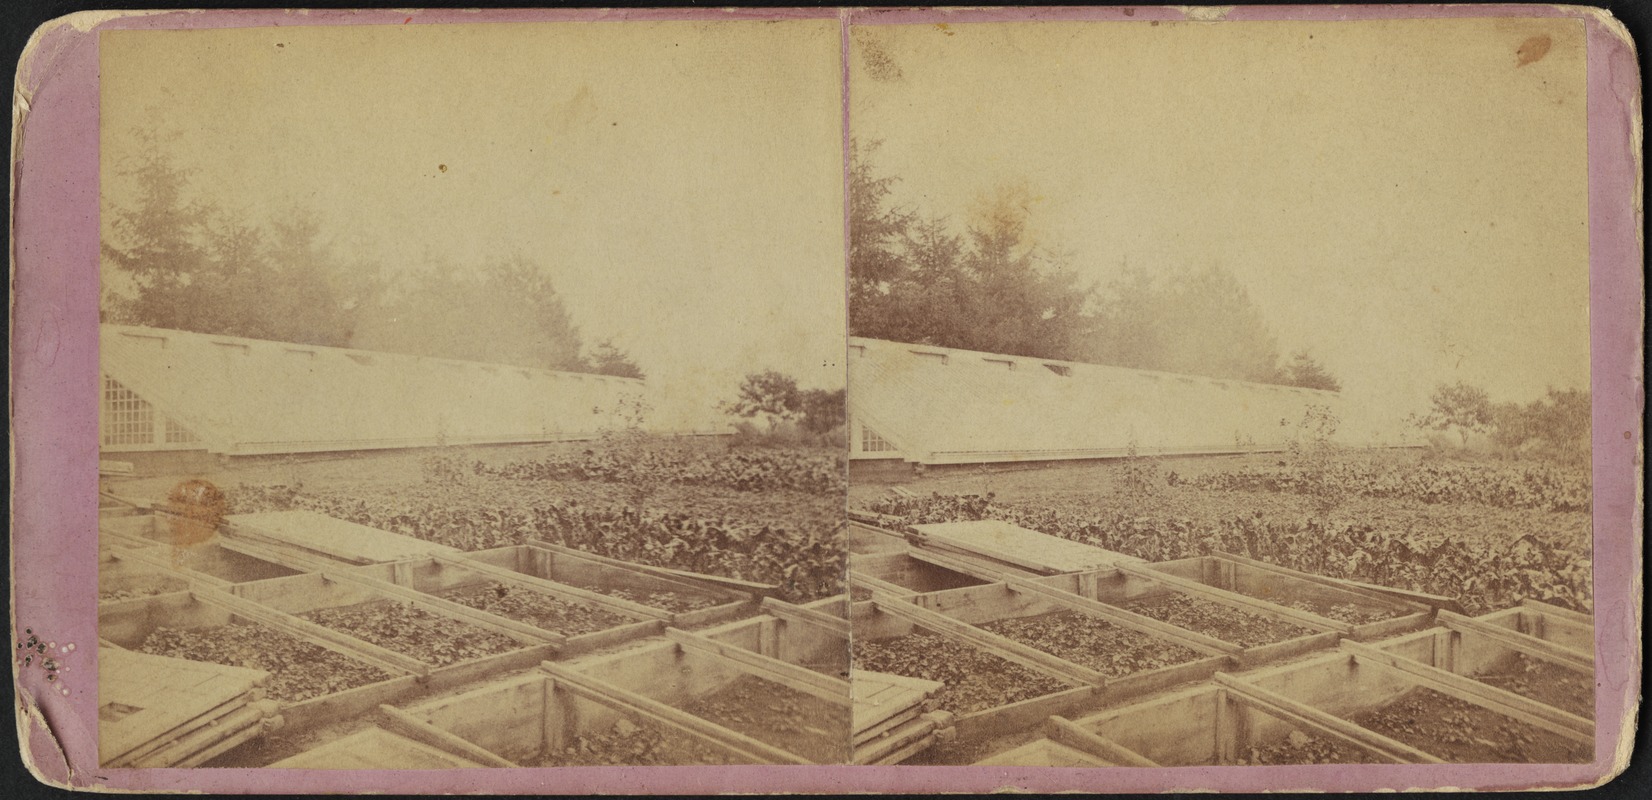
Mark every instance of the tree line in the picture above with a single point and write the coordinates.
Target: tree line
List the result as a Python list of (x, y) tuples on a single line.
[(195, 266), (915, 277), (1556, 426)]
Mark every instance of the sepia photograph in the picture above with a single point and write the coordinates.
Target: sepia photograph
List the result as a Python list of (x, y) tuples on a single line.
[(472, 396), (1220, 394), (828, 400)]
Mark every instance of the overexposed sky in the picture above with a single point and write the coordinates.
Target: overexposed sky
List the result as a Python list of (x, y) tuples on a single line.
[(1406, 198), (680, 181)]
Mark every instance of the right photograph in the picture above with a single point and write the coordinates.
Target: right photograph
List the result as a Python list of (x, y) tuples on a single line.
[(1219, 394)]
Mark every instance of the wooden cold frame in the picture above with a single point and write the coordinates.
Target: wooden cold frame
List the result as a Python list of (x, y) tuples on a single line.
[(629, 702), (1000, 646)]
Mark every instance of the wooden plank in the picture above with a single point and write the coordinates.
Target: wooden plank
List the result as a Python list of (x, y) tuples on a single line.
[(1552, 610), (1578, 660), (807, 616), (1021, 547), (291, 559), (881, 698), (1065, 732), (227, 744), (1417, 601), (1000, 646), (337, 641), (173, 696), (547, 586), (1142, 623), (337, 538), (630, 702), (789, 675), (991, 573), (917, 746), (401, 722), (374, 748), (895, 742), (180, 746), (486, 620), (1043, 753), (211, 717), (1026, 713), (1502, 701), (169, 568), (872, 584), (1243, 602), (596, 640), (1385, 628), (877, 730), (691, 580), (1323, 724)]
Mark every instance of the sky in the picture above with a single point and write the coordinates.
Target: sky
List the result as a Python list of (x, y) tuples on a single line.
[(681, 182), (1406, 199)]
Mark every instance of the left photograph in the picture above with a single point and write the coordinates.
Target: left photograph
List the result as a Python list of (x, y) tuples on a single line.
[(472, 395)]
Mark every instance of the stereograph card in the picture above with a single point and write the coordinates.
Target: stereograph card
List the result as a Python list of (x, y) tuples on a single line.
[(1118, 399)]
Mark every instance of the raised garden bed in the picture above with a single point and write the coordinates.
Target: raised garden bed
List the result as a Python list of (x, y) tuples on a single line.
[(1344, 612), (415, 632), (1290, 588), (1551, 684), (675, 602), (298, 669), (1297, 747), (117, 595), (974, 679), (1092, 642), (1210, 618), (541, 610), (792, 720), (635, 744), (1464, 733)]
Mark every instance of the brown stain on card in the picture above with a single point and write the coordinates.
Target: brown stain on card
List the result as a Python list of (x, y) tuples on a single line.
[(1532, 50), (196, 508)]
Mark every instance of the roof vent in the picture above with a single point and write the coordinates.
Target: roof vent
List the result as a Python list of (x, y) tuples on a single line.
[(1060, 369), (940, 358), (1007, 363)]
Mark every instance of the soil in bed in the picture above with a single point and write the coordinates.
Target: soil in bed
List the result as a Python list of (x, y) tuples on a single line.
[(116, 595), (637, 744), (1091, 642), (569, 617), (1346, 612), (298, 669), (675, 602), (1463, 733), (411, 631), (973, 679), (1303, 748), (794, 721), (1547, 683), (1213, 619)]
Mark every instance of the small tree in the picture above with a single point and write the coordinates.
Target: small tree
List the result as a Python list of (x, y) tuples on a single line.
[(1305, 371), (1458, 405), (1556, 426), (644, 458), (607, 359), (1313, 453), (770, 394), (823, 410)]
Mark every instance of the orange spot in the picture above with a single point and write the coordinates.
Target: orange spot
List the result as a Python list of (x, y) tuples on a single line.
[(1533, 49)]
